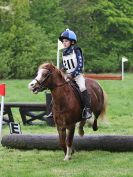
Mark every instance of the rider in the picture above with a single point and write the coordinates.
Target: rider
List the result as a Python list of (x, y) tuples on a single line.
[(73, 63)]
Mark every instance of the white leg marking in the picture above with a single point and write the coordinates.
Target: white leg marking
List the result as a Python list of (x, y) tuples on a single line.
[(68, 154)]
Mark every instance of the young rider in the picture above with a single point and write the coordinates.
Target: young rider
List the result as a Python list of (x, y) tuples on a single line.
[(73, 62)]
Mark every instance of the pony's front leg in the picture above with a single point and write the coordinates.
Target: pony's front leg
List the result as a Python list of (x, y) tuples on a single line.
[(69, 142), (62, 138)]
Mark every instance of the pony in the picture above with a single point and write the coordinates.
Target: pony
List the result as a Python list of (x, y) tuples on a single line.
[(67, 110)]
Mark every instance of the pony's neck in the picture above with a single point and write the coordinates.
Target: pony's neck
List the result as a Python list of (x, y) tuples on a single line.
[(60, 97), (58, 79), (60, 89)]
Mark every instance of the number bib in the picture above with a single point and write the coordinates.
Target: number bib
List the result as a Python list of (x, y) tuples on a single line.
[(70, 62)]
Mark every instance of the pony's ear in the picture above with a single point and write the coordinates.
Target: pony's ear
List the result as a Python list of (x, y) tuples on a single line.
[(49, 66), (52, 67)]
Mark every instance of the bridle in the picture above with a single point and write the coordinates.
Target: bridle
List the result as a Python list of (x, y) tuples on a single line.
[(46, 77)]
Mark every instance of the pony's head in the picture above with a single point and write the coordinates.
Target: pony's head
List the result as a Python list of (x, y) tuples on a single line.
[(47, 77)]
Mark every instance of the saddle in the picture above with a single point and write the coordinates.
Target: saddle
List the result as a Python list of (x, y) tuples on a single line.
[(77, 92)]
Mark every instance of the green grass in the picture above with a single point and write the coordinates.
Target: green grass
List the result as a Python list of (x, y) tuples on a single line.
[(17, 91), (16, 163)]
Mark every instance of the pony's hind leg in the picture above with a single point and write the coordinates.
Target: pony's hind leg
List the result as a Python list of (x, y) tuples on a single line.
[(80, 127), (94, 126), (69, 142)]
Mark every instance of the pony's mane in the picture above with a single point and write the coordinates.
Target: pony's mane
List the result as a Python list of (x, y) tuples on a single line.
[(47, 66)]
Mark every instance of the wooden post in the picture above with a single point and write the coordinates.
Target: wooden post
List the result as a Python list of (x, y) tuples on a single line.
[(103, 76)]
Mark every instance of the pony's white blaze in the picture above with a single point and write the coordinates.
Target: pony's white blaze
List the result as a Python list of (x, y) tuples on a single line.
[(68, 154), (39, 74), (32, 84), (39, 77)]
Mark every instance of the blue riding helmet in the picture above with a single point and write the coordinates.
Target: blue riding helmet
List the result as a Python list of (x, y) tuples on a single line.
[(68, 34)]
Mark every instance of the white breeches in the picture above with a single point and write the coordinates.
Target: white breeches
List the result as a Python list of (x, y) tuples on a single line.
[(80, 80)]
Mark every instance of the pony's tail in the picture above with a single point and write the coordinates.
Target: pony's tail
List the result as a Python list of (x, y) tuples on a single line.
[(103, 113)]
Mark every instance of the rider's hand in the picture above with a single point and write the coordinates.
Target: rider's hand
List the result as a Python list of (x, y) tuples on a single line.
[(69, 77), (63, 69)]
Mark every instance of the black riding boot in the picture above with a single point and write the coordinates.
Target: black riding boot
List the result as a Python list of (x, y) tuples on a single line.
[(87, 113)]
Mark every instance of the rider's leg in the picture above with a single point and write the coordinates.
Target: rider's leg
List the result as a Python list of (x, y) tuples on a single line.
[(87, 113)]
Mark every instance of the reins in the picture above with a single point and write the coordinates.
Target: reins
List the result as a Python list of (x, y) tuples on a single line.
[(61, 85), (41, 84)]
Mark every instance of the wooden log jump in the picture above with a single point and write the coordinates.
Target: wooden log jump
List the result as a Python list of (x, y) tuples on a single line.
[(104, 76), (113, 143)]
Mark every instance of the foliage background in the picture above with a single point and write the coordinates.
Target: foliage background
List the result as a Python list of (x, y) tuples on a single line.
[(29, 30)]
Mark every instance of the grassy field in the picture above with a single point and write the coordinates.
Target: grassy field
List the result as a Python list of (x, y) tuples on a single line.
[(15, 163)]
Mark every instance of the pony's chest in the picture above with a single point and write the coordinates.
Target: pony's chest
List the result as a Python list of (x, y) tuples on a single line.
[(66, 120)]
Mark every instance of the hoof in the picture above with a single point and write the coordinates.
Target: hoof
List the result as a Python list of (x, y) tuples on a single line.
[(67, 158), (81, 132), (95, 128)]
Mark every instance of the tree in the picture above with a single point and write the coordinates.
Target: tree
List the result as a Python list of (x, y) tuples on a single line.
[(104, 29), (50, 16), (24, 44)]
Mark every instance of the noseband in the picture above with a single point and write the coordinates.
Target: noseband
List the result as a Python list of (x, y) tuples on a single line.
[(41, 84)]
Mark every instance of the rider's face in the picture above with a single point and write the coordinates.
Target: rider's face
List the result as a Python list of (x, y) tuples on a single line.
[(66, 43)]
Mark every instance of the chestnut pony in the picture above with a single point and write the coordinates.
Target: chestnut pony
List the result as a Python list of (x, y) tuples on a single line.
[(66, 108)]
